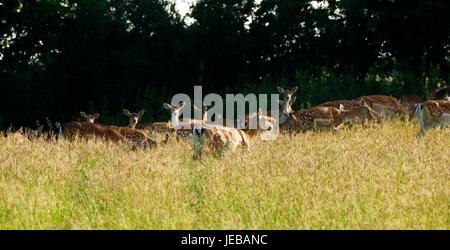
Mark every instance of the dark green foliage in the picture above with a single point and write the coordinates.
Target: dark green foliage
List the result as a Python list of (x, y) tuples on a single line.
[(59, 57)]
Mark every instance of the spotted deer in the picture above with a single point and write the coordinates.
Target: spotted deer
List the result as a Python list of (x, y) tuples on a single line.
[(439, 93), (89, 118), (88, 130), (354, 111), (432, 113), (386, 105), (223, 139), (323, 117), (154, 128), (409, 103), (137, 137), (182, 128), (133, 117)]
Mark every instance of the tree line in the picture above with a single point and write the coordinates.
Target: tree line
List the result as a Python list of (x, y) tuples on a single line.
[(59, 57)]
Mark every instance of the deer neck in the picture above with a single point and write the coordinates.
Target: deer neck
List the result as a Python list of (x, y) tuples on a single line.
[(175, 120), (252, 133)]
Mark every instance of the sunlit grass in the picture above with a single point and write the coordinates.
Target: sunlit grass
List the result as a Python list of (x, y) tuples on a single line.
[(374, 177)]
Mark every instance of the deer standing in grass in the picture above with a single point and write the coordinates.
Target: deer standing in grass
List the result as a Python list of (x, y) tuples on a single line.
[(386, 105), (182, 128), (88, 130), (432, 113), (409, 103), (353, 111), (326, 116), (223, 139), (137, 137)]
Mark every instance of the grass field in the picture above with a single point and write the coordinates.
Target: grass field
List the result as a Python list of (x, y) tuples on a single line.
[(374, 177)]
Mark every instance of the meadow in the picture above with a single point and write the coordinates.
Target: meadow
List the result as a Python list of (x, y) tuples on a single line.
[(373, 176)]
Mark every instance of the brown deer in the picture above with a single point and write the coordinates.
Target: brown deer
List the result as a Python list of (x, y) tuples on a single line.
[(88, 130), (182, 128), (432, 113), (133, 117), (154, 128), (224, 139), (89, 118), (386, 105), (439, 93), (355, 111), (409, 103), (328, 117), (137, 137)]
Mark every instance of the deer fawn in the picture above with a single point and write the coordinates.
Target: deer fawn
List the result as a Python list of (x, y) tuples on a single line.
[(133, 117), (89, 118), (431, 114), (88, 130), (182, 128), (223, 138), (386, 105), (353, 111)]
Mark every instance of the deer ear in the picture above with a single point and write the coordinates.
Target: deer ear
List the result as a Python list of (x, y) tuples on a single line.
[(126, 112), (96, 115), (294, 89), (168, 106), (141, 112), (293, 100), (83, 114), (362, 102), (281, 90)]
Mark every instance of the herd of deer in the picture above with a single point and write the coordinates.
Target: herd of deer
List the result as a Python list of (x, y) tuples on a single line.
[(328, 115)]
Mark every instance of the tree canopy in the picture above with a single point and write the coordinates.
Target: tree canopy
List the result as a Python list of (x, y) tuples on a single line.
[(58, 57)]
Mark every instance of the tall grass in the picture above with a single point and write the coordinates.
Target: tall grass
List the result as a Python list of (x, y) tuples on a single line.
[(377, 176)]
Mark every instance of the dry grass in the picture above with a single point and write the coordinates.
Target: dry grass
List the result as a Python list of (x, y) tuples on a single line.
[(374, 177)]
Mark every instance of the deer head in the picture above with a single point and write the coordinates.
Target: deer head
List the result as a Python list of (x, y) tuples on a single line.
[(175, 113), (89, 118), (287, 94), (133, 117), (287, 108)]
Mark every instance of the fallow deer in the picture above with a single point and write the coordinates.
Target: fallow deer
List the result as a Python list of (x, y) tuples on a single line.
[(354, 110), (223, 138), (88, 130), (133, 117), (182, 128), (89, 118), (432, 113), (409, 103), (327, 117), (243, 121), (137, 137), (154, 128), (439, 93), (386, 105)]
